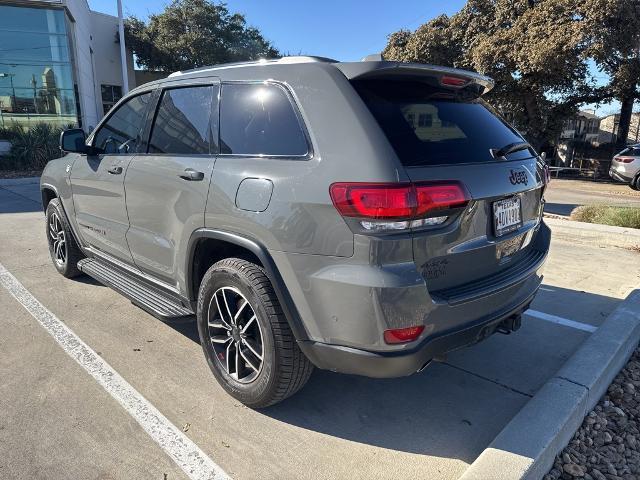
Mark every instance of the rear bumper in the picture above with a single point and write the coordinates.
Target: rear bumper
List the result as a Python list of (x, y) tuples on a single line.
[(399, 364), (619, 176)]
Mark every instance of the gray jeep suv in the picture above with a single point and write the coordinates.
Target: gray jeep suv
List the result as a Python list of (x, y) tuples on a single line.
[(361, 217)]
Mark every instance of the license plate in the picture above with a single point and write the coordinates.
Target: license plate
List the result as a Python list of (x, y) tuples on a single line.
[(507, 215)]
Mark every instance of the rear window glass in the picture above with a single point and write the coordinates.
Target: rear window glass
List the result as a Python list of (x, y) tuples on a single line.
[(183, 122), (259, 119), (427, 126), (631, 152)]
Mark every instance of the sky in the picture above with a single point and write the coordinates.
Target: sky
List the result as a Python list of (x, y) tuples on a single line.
[(346, 30)]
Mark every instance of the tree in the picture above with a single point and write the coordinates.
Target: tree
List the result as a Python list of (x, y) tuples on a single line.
[(613, 33), (194, 33), (534, 49)]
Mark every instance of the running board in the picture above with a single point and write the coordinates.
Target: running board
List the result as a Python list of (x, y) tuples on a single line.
[(159, 304)]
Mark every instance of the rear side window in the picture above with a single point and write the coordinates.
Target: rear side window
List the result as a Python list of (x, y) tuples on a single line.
[(183, 124), (121, 132), (259, 119), (428, 126)]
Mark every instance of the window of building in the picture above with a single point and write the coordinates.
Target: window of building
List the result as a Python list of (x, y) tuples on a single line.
[(121, 132), (259, 119), (183, 123), (36, 74), (110, 96), (424, 120)]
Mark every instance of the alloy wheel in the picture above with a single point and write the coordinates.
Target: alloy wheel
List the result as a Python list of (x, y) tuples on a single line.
[(57, 239), (235, 334)]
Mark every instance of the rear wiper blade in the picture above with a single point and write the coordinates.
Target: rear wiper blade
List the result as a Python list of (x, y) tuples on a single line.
[(507, 149)]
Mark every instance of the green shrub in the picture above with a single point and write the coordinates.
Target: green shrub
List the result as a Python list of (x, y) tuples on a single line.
[(628, 217), (31, 148)]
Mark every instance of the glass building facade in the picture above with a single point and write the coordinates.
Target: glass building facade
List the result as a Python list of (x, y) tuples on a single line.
[(36, 67)]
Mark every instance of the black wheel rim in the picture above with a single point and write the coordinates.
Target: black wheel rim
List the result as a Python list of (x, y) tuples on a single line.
[(57, 240), (235, 335)]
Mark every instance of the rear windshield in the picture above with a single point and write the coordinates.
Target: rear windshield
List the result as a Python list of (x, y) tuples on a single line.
[(429, 126), (631, 151)]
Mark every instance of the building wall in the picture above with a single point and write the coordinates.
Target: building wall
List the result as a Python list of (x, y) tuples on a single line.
[(609, 129), (82, 44)]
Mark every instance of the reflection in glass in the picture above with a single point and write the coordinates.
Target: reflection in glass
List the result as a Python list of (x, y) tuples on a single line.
[(36, 76)]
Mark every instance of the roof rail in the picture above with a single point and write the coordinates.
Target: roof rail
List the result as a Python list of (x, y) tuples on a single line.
[(263, 61)]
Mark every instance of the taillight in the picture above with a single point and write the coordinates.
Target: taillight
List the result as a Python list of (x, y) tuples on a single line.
[(453, 81), (624, 159), (403, 335), (398, 206)]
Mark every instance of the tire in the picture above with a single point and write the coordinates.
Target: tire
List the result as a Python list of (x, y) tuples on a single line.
[(64, 251), (635, 183), (257, 375)]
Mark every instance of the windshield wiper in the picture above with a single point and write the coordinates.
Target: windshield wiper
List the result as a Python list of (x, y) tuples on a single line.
[(507, 149)]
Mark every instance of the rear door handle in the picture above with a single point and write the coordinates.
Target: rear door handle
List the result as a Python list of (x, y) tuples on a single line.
[(192, 175), (115, 170)]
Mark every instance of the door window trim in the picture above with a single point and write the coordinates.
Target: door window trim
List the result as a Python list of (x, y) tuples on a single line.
[(296, 109), (151, 119), (90, 140)]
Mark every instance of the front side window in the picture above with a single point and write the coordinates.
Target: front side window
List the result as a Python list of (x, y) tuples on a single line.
[(259, 119), (183, 123), (121, 132)]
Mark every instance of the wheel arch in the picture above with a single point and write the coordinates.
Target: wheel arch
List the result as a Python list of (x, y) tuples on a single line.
[(249, 249), (48, 193)]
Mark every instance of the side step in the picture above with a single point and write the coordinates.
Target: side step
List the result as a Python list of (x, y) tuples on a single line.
[(152, 299)]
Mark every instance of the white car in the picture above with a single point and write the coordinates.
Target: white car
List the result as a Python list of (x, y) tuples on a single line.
[(625, 166)]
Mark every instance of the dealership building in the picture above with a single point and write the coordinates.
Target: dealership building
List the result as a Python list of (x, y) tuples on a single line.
[(60, 63)]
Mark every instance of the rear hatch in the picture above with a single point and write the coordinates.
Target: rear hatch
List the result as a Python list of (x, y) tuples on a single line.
[(442, 131)]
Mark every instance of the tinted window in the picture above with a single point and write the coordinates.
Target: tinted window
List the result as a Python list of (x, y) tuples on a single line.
[(429, 126), (259, 120), (183, 122), (121, 132)]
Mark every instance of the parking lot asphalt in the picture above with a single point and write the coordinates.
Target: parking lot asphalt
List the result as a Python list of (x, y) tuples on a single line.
[(60, 423), (564, 195)]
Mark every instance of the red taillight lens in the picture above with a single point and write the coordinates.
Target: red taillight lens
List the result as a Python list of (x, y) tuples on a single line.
[(439, 197), (401, 201), (624, 159), (453, 81), (373, 200), (403, 335)]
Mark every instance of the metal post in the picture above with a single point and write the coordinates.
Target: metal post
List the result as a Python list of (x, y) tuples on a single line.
[(123, 51)]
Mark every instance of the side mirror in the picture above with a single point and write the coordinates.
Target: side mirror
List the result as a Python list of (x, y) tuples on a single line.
[(73, 140), (543, 156)]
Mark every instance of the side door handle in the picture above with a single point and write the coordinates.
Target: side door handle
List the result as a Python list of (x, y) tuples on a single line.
[(115, 170), (192, 175)]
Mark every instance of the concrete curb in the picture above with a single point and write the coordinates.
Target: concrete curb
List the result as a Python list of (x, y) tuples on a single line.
[(592, 233), (8, 182), (528, 444)]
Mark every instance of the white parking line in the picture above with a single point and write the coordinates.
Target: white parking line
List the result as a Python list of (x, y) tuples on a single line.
[(561, 321), (186, 454)]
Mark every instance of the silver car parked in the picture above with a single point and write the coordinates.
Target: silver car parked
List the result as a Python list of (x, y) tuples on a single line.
[(625, 166), (362, 217)]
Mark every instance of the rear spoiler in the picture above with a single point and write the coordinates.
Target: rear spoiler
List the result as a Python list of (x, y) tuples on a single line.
[(447, 77)]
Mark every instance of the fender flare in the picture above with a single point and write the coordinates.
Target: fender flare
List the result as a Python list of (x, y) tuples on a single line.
[(284, 297)]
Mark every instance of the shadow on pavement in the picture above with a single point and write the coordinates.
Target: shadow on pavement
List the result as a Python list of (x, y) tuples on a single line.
[(20, 199), (452, 409), (560, 208)]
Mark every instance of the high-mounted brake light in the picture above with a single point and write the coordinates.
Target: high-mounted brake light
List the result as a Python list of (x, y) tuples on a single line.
[(453, 81), (403, 335), (398, 206)]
